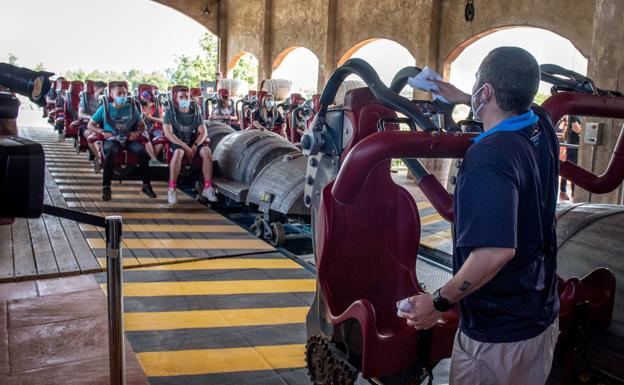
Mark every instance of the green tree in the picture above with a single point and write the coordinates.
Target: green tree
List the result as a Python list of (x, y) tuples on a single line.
[(247, 69), (39, 67), (192, 70), (540, 98), (12, 59)]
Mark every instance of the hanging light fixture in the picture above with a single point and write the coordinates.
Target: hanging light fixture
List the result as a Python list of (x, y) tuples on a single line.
[(469, 11), (207, 10)]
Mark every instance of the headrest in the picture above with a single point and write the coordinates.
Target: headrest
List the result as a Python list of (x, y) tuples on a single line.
[(359, 97), (262, 95), (295, 99), (65, 84), (90, 86), (195, 92), (76, 86), (224, 92)]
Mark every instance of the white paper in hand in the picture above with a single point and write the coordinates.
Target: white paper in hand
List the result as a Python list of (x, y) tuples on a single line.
[(423, 82)]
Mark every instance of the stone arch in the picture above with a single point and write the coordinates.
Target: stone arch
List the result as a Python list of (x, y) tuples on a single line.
[(386, 56), (236, 58), (459, 48), (308, 63)]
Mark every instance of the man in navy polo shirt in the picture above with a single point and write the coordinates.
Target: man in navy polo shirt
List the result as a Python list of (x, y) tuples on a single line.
[(505, 252)]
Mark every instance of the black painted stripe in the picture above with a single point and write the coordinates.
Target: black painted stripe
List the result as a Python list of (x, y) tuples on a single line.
[(216, 302), (217, 338), (264, 377)]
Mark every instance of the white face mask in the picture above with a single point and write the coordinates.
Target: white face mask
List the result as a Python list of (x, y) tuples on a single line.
[(475, 111)]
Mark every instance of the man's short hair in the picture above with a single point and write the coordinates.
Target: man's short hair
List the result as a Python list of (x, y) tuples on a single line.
[(182, 89), (514, 74), (117, 84), (99, 84)]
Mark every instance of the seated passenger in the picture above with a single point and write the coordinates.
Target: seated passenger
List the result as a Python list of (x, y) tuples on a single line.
[(53, 93), (151, 115), (120, 131), (58, 96), (89, 104), (187, 133), (224, 110), (267, 117)]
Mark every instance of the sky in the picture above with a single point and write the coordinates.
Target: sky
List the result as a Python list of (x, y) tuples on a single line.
[(76, 34)]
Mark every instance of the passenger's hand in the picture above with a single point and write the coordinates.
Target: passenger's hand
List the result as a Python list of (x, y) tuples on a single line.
[(107, 134), (451, 93), (188, 152), (423, 315)]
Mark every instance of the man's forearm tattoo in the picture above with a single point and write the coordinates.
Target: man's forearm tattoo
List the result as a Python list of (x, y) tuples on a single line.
[(464, 286)]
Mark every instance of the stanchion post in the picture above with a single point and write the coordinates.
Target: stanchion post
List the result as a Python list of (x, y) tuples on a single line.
[(114, 278)]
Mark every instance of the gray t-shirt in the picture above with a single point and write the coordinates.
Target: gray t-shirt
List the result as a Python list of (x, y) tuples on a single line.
[(91, 105), (186, 130)]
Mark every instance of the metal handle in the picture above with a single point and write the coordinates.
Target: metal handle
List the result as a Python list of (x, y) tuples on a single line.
[(114, 279)]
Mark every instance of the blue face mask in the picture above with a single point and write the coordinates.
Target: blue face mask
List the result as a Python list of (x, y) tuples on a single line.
[(184, 103), (120, 100)]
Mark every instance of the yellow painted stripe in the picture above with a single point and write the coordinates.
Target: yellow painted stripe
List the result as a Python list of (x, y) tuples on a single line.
[(436, 239), (147, 203), (143, 243), (214, 318), (206, 216), (174, 228), (230, 263), (429, 219), (99, 188), (206, 361), (423, 205), (136, 195), (55, 168), (261, 286), (149, 261)]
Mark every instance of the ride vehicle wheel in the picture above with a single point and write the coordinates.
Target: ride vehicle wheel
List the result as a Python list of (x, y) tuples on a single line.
[(276, 234), (317, 357), (258, 227), (342, 373)]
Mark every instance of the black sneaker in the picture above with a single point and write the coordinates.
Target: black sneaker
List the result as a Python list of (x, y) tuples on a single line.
[(147, 190), (106, 193)]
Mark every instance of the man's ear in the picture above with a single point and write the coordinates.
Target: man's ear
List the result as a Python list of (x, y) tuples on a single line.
[(487, 93)]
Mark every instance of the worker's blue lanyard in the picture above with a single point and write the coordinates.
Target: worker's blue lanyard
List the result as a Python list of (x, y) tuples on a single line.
[(515, 123)]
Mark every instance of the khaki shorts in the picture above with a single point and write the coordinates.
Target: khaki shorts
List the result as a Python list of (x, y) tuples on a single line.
[(515, 363)]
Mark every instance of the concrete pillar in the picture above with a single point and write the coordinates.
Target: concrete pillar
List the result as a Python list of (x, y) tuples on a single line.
[(427, 55), (327, 59), (606, 65), (264, 61), (223, 41)]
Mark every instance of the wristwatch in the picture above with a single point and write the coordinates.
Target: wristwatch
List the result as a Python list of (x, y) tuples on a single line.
[(440, 303)]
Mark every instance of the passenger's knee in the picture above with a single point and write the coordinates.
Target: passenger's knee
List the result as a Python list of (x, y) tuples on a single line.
[(205, 153), (178, 154)]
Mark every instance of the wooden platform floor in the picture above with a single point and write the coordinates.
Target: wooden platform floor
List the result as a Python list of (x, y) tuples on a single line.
[(154, 232)]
